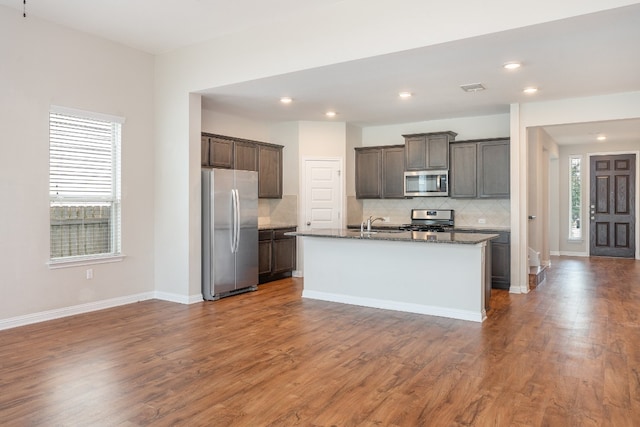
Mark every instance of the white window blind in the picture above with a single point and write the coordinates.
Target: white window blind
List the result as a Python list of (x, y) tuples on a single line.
[(84, 184)]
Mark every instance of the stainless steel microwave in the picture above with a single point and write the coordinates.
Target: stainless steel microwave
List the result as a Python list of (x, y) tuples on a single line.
[(427, 183)]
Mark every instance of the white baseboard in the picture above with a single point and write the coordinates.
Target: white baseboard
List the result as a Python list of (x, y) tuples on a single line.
[(396, 306), (554, 253), (567, 253), (182, 299), (43, 316)]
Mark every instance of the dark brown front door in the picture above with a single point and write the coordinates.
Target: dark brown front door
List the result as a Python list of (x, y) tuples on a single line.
[(612, 206)]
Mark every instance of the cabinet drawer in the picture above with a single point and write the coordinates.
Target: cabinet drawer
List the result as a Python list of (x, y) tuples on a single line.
[(265, 235), (279, 234)]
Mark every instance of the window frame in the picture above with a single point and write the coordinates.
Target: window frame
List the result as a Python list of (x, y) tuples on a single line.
[(570, 218), (114, 199)]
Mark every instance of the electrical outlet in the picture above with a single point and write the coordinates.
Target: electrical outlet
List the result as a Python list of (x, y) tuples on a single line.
[(89, 273), (482, 221)]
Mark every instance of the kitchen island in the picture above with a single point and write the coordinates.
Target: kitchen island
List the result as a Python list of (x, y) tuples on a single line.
[(437, 273)]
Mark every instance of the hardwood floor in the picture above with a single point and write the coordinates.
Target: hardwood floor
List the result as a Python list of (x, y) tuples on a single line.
[(566, 354)]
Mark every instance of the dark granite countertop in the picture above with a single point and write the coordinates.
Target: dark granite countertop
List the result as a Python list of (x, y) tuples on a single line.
[(399, 236), (464, 229), (276, 226)]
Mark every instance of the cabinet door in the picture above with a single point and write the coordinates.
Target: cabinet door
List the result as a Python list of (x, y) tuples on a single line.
[(437, 152), (393, 172), (463, 171), (204, 153), (369, 173), (493, 169), (501, 262), (264, 257), (220, 153), (269, 171), (284, 255), (245, 156), (415, 151)]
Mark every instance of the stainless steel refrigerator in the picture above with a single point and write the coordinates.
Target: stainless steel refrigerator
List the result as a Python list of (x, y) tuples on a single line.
[(229, 232)]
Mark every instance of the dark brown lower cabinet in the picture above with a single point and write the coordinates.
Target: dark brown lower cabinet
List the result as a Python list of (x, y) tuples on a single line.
[(276, 254), (501, 261), (265, 237)]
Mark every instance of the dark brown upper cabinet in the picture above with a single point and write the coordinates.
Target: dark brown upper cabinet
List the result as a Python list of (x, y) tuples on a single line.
[(269, 171), (219, 151), (245, 156), (427, 151), (480, 169), (379, 172)]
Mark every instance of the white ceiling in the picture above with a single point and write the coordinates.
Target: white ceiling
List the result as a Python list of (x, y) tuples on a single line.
[(588, 55), (159, 26)]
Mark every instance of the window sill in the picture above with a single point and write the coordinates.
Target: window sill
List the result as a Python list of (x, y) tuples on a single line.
[(575, 240), (78, 261)]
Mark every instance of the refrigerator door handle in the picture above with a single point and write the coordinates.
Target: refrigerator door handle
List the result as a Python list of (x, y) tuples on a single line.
[(236, 220), (233, 221)]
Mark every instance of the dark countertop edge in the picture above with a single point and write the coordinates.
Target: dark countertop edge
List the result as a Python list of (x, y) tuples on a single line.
[(474, 238), (388, 226), (482, 230), (276, 226), (378, 226)]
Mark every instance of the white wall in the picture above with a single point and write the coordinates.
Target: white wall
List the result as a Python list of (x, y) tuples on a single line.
[(230, 125), (541, 149), (478, 127), (554, 207), (45, 64)]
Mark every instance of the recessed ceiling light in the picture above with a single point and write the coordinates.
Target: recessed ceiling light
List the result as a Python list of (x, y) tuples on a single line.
[(330, 114), (512, 65), (405, 95), (602, 137), (286, 100), (530, 90)]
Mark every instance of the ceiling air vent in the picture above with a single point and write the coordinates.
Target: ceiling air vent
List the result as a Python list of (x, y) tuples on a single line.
[(473, 87)]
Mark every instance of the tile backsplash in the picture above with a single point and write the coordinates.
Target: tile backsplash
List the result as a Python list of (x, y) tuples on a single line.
[(278, 211), (468, 212)]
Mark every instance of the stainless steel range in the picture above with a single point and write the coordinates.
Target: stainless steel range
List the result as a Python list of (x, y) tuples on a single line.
[(438, 220)]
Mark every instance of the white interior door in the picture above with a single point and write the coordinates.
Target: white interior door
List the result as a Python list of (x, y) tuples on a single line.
[(323, 193)]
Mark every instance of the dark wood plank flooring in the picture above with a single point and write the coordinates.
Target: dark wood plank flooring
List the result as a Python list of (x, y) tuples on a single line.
[(566, 354)]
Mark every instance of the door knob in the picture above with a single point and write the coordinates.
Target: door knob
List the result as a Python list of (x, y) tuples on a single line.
[(308, 222)]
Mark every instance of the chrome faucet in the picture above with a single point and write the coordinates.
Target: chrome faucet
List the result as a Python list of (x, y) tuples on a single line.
[(371, 220)]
